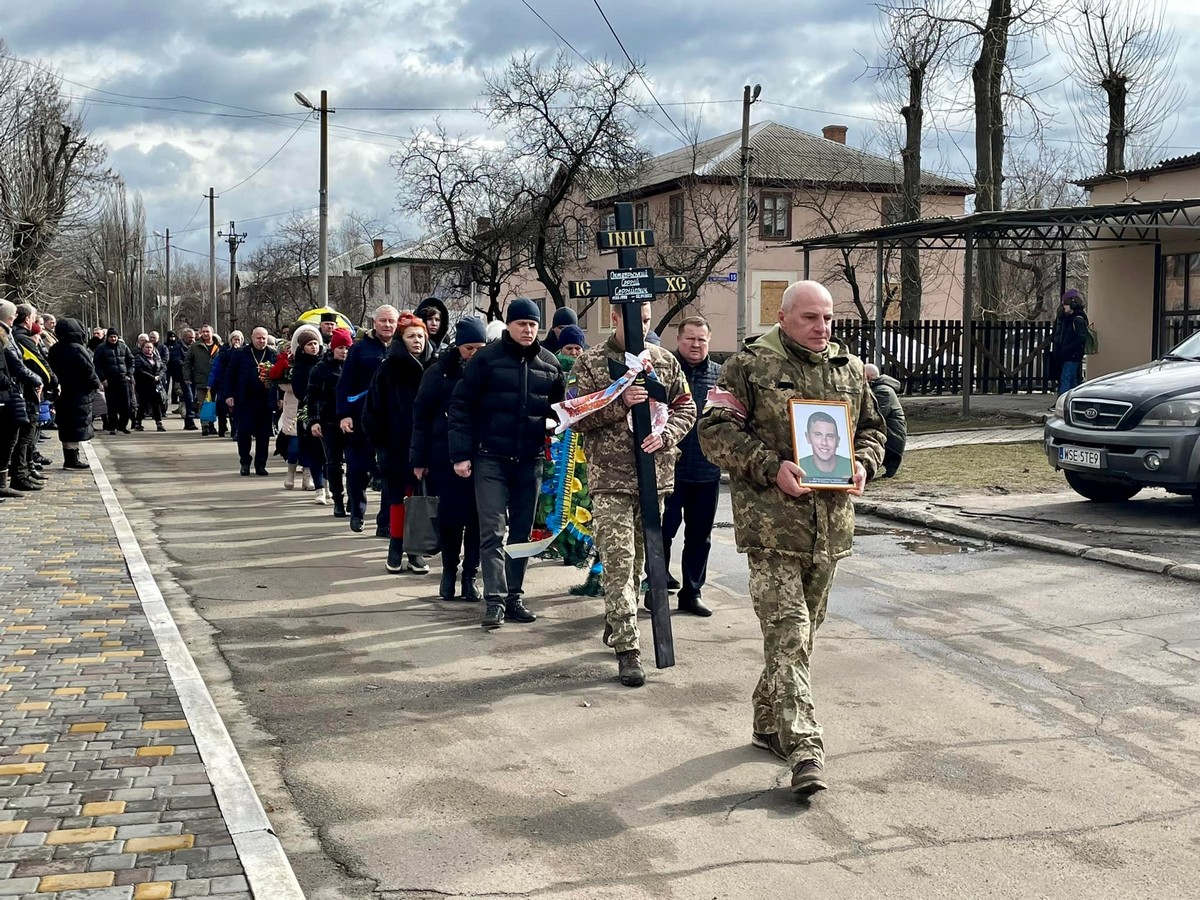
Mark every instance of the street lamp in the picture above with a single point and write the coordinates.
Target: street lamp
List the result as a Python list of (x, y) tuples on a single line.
[(322, 112), (749, 97)]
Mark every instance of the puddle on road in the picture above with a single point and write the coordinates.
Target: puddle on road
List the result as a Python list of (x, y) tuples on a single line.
[(924, 543)]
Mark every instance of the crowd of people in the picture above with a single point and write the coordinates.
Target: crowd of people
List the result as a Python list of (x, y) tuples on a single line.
[(411, 406)]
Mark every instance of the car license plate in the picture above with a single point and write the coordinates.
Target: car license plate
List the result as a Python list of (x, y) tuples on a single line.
[(1079, 456)]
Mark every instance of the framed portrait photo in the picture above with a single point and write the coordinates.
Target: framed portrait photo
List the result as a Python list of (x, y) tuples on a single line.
[(823, 443)]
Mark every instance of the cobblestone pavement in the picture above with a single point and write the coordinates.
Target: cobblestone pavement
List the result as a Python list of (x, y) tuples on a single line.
[(103, 795)]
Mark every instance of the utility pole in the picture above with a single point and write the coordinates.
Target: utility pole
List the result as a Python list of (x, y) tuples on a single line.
[(322, 112), (142, 291), (235, 240), (212, 253), (170, 306), (748, 98)]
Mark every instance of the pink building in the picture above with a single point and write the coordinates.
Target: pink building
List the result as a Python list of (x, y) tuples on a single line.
[(801, 185)]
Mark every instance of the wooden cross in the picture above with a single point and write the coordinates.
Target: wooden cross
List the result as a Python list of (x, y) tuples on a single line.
[(629, 286)]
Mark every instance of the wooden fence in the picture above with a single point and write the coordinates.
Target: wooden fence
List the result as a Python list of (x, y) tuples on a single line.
[(927, 357)]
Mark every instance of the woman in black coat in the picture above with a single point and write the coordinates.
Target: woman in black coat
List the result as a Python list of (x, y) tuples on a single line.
[(387, 420), (77, 386), (114, 367), (148, 371), (429, 455)]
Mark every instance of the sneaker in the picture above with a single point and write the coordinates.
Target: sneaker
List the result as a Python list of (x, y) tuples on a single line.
[(395, 557), (807, 778), (629, 668), (765, 740), (493, 616), (515, 610), (356, 523), (417, 564)]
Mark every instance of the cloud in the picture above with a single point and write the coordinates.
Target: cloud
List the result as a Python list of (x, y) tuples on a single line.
[(147, 69)]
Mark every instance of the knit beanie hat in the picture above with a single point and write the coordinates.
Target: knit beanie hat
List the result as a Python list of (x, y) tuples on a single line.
[(564, 315), (111, 333), (470, 330), (341, 337), (523, 310), (572, 334)]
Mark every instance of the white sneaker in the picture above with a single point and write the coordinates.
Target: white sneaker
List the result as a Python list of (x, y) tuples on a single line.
[(308, 482), (321, 497)]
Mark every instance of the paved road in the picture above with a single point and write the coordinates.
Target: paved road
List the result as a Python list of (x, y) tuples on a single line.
[(1000, 723), (934, 439)]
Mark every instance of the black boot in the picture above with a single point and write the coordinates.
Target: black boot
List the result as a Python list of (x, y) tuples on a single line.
[(71, 460), (5, 490), (516, 611), (446, 588), (470, 590), (395, 557), (339, 507)]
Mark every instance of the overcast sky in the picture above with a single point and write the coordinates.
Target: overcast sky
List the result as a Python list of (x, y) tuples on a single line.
[(178, 90)]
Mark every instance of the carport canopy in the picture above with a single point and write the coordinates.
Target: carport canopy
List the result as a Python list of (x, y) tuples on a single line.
[(1052, 228)]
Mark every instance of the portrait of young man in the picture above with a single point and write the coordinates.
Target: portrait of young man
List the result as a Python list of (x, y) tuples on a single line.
[(825, 465)]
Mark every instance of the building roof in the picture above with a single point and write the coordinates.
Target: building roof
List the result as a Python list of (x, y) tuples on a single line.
[(1176, 163), (1129, 222), (778, 153), (428, 251)]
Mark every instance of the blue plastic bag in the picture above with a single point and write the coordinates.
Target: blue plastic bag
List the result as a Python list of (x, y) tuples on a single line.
[(208, 412)]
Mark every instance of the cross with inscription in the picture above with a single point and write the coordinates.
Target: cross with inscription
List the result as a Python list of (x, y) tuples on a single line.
[(629, 286)]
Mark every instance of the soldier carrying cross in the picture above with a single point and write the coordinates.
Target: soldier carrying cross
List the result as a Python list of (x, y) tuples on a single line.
[(631, 458)]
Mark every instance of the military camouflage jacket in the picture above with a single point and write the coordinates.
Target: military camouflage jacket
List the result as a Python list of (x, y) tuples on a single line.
[(607, 440), (751, 443)]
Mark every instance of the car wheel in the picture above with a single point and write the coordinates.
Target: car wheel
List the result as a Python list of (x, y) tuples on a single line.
[(1099, 491)]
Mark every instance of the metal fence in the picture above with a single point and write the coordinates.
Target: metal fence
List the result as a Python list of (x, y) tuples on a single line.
[(927, 357)]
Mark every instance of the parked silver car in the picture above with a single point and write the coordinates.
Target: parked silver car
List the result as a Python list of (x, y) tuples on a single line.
[(1139, 428)]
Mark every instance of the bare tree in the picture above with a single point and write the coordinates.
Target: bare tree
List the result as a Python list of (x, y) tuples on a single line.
[(568, 131), (1121, 58), (466, 197), (49, 168), (1041, 176), (914, 49)]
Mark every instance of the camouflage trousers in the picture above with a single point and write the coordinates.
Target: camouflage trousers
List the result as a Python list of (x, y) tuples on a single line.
[(617, 529), (790, 595)]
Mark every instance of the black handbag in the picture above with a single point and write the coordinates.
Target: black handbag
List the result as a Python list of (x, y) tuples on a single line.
[(421, 533)]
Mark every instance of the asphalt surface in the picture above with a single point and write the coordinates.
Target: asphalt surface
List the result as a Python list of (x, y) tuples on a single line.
[(1000, 722)]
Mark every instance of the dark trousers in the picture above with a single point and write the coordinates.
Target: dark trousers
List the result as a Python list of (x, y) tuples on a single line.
[(694, 504), (506, 494), (260, 433), (20, 465), (222, 416), (458, 519), (149, 402), (9, 431), (360, 466), (189, 400), (116, 393), (334, 444)]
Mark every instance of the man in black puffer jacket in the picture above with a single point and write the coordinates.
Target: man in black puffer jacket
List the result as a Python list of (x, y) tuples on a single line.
[(114, 366), (322, 416), (497, 433)]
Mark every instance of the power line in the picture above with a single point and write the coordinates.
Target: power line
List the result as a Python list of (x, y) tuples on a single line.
[(273, 215), (268, 162), (646, 84)]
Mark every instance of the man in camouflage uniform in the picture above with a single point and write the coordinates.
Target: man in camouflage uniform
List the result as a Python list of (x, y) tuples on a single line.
[(793, 535), (612, 480)]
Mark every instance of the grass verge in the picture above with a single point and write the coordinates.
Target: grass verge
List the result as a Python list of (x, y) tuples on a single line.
[(1002, 468)]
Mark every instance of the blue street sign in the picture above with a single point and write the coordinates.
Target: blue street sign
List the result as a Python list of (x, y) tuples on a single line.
[(723, 279)]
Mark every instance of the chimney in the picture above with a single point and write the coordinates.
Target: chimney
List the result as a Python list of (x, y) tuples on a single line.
[(377, 246), (835, 133)]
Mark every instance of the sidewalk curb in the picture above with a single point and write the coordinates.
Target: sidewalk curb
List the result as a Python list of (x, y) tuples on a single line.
[(1125, 559), (266, 866)]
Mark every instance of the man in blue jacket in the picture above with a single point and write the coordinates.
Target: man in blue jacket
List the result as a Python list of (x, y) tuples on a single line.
[(361, 364)]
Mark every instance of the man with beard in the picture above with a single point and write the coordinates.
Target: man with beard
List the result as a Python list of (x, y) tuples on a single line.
[(252, 400)]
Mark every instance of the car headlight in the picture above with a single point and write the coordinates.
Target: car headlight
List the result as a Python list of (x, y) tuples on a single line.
[(1060, 406), (1174, 412)]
